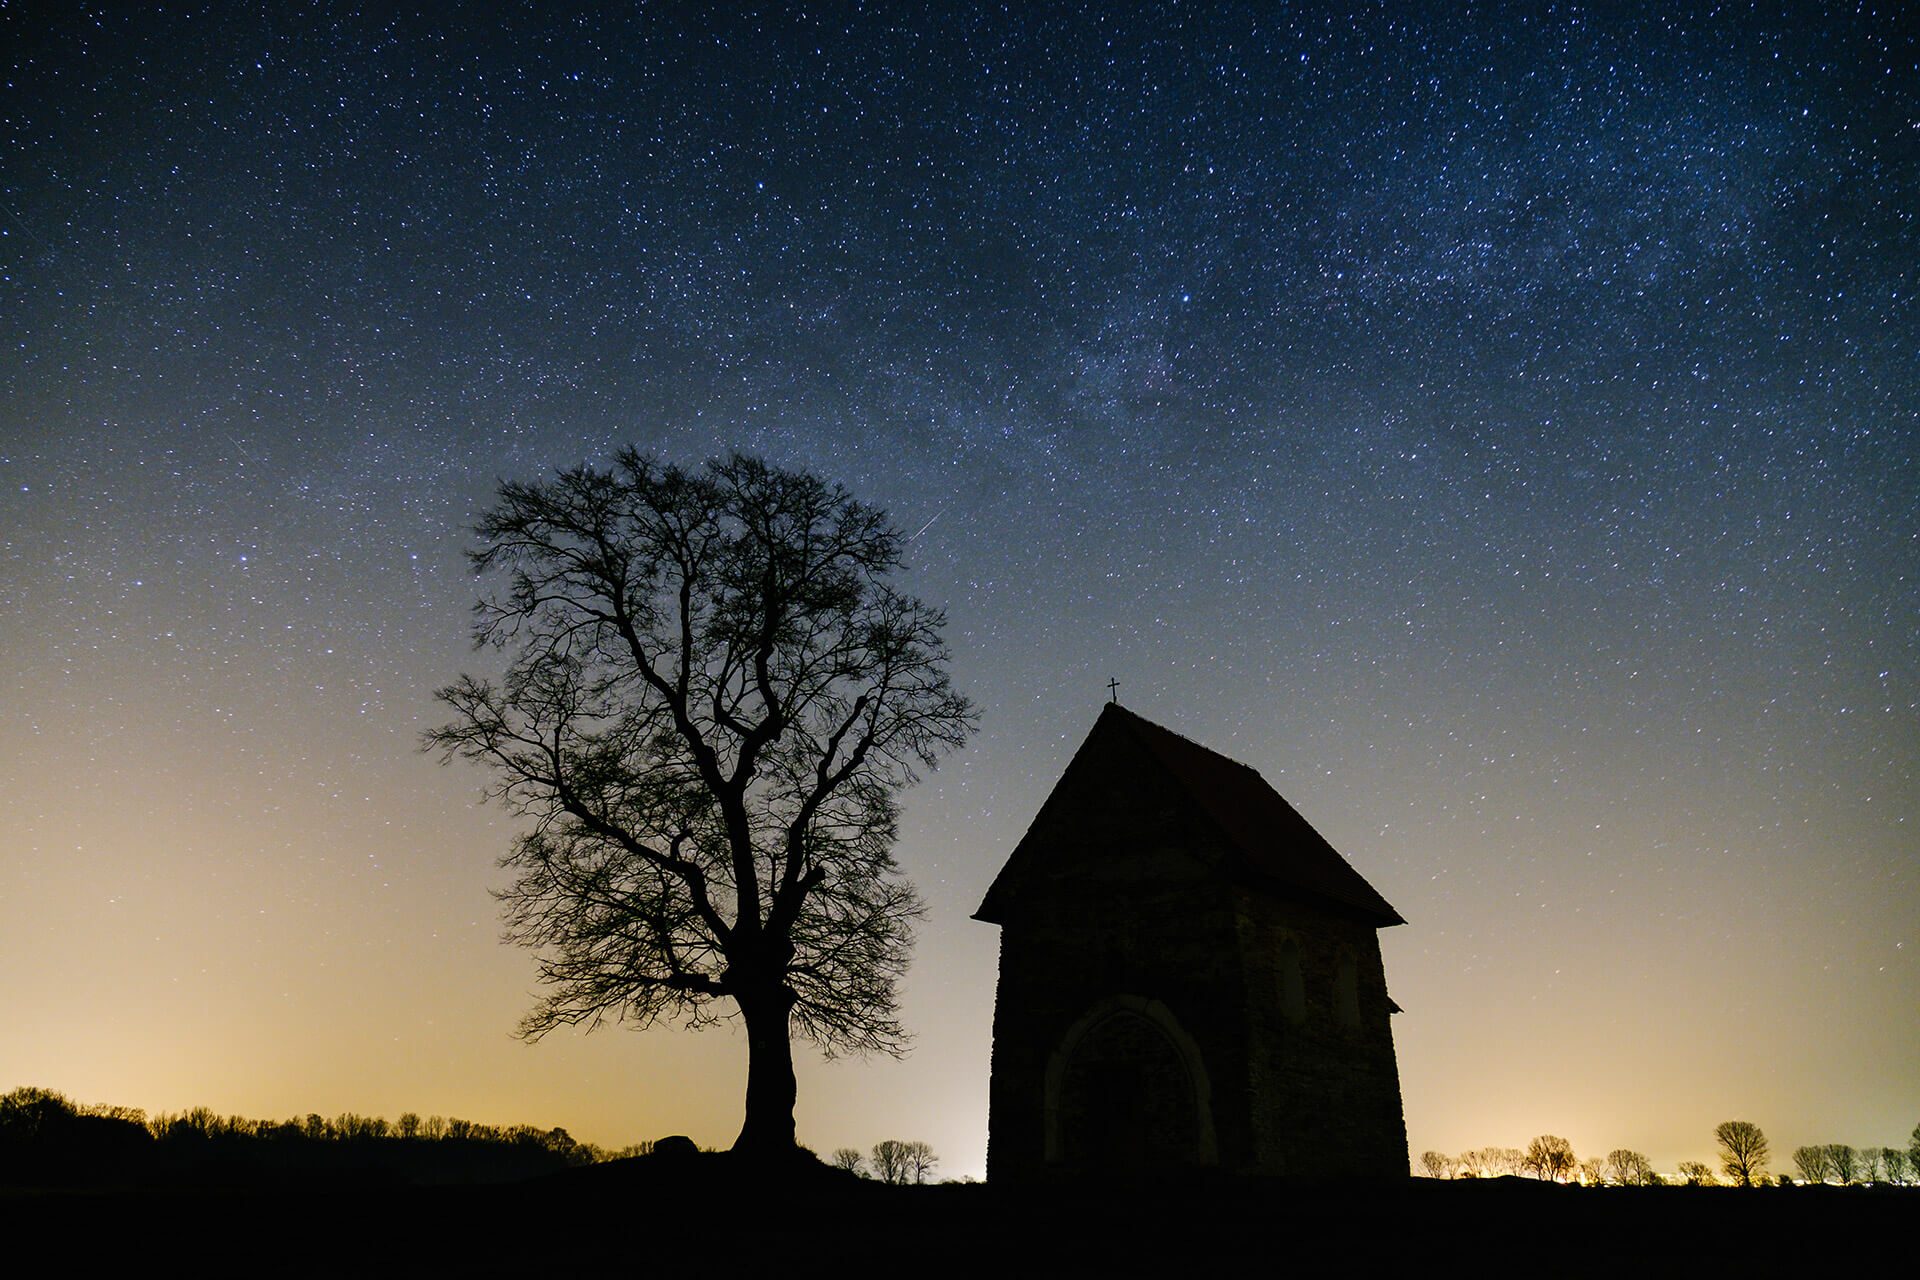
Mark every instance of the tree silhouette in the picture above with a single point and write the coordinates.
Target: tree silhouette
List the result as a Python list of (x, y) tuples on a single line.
[(1743, 1150), (1897, 1163), (1844, 1161), (713, 696), (1695, 1174), (890, 1161), (1629, 1168), (1489, 1162), (1549, 1158), (920, 1162), (1814, 1163)]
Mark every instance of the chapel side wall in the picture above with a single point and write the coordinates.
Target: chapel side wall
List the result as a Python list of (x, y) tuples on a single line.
[(1015, 1118), (1326, 1096)]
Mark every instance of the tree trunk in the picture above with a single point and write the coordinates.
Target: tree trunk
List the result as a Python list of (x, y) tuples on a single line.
[(768, 1131)]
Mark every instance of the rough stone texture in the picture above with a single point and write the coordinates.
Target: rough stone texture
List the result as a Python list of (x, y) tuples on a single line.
[(1189, 977)]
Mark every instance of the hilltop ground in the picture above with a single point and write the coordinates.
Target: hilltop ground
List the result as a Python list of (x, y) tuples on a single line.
[(702, 1217)]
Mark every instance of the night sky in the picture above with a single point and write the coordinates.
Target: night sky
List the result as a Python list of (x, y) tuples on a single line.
[(1498, 426)]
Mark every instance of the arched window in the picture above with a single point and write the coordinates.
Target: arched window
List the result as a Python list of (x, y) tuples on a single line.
[(1293, 987), (1346, 993)]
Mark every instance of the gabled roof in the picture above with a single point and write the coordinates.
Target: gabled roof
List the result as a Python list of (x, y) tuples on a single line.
[(1278, 845)]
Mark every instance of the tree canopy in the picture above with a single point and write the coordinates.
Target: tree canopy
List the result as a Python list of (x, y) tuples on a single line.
[(1550, 1158), (1743, 1150), (713, 695)]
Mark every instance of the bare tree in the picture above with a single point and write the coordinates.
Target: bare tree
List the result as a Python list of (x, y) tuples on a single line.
[(1438, 1165), (1872, 1160), (1844, 1160), (1474, 1164), (849, 1159), (890, 1161), (1695, 1174), (1913, 1151), (1549, 1158), (920, 1162), (1496, 1162), (714, 695), (1814, 1163), (1629, 1168), (1898, 1164), (1743, 1150)]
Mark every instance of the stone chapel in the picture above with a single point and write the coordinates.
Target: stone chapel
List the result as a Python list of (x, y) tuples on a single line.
[(1190, 977)]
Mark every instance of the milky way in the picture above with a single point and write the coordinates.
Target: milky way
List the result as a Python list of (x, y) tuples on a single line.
[(1497, 426)]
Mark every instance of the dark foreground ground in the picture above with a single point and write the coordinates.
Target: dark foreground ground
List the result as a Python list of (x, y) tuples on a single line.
[(701, 1218)]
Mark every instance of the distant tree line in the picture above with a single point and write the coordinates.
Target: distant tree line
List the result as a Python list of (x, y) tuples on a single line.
[(47, 1138), (1838, 1162), (1743, 1162), (893, 1161)]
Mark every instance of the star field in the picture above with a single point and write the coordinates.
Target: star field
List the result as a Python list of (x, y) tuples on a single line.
[(1498, 425)]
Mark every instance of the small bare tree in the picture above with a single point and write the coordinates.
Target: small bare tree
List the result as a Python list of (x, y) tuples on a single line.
[(1695, 1174), (890, 1161), (1629, 1168), (1438, 1165), (1549, 1158), (1898, 1163), (849, 1159), (1844, 1160), (920, 1162), (1872, 1160), (1743, 1151), (1813, 1162)]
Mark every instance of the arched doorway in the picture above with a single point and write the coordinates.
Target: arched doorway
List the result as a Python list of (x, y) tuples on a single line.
[(1126, 1093)]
